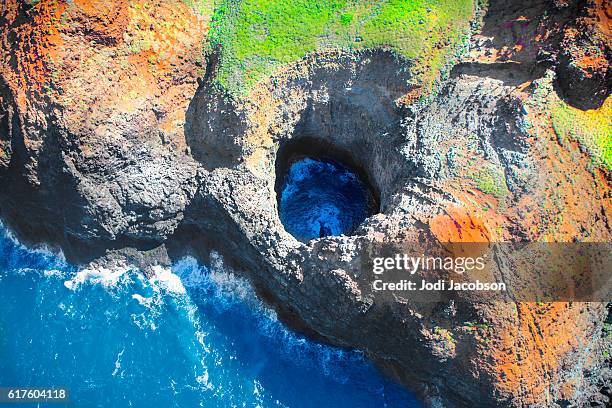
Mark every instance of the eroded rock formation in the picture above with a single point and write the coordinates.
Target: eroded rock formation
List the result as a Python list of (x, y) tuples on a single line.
[(108, 141)]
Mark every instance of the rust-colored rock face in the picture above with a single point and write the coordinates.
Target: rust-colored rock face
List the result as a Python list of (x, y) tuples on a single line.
[(114, 135), (100, 21), (95, 59), (97, 81), (457, 225)]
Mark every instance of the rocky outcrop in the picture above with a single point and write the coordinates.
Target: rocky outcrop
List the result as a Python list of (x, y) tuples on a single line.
[(414, 161), (108, 145), (93, 118), (584, 74)]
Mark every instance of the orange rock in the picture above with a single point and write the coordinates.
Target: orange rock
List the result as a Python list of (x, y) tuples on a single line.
[(101, 21), (459, 225)]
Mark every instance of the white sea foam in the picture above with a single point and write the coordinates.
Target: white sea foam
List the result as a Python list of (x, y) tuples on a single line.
[(49, 273), (42, 249), (107, 277), (118, 364), (171, 297), (143, 301), (229, 289), (203, 380), (164, 278), (224, 290)]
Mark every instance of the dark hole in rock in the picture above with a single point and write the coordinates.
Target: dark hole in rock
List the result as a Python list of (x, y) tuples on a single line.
[(322, 195)]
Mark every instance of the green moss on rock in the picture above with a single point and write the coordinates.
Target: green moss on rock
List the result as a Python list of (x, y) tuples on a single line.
[(258, 36)]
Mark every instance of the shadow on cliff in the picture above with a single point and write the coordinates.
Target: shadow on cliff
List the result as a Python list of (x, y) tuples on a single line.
[(213, 126), (522, 39), (346, 101), (44, 203)]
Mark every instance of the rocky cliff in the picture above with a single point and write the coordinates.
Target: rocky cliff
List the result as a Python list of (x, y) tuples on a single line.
[(120, 138)]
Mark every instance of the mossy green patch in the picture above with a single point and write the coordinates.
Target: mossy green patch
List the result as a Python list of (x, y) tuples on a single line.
[(258, 36), (592, 129), (346, 18), (491, 180), (204, 7)]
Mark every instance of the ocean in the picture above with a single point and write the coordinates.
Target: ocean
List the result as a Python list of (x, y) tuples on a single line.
[(192, 336)]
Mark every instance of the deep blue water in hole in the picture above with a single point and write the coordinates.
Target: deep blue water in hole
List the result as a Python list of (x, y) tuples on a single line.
[(194, 336), (321, 198)]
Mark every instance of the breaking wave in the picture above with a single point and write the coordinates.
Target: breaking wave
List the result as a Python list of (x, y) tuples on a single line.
[(191, 336)]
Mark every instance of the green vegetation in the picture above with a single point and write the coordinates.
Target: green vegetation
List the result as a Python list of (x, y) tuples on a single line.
[(346, 18), (258, 36), (204, 7), (140, 45), (491, 180), (592, 129), (444, 334), (607, 331), (476, 325)]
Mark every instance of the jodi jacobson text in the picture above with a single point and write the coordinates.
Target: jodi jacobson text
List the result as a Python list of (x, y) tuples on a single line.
[(440, 285)]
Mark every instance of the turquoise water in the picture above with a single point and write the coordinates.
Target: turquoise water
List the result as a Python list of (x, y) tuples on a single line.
[(192, 337), (321, 198)]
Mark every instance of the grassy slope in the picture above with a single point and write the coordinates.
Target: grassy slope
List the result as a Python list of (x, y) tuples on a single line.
[(592, 128), (257, 36)]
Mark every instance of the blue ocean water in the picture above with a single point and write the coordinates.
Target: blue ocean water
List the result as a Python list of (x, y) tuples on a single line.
[(193, 336), (321, 198)]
